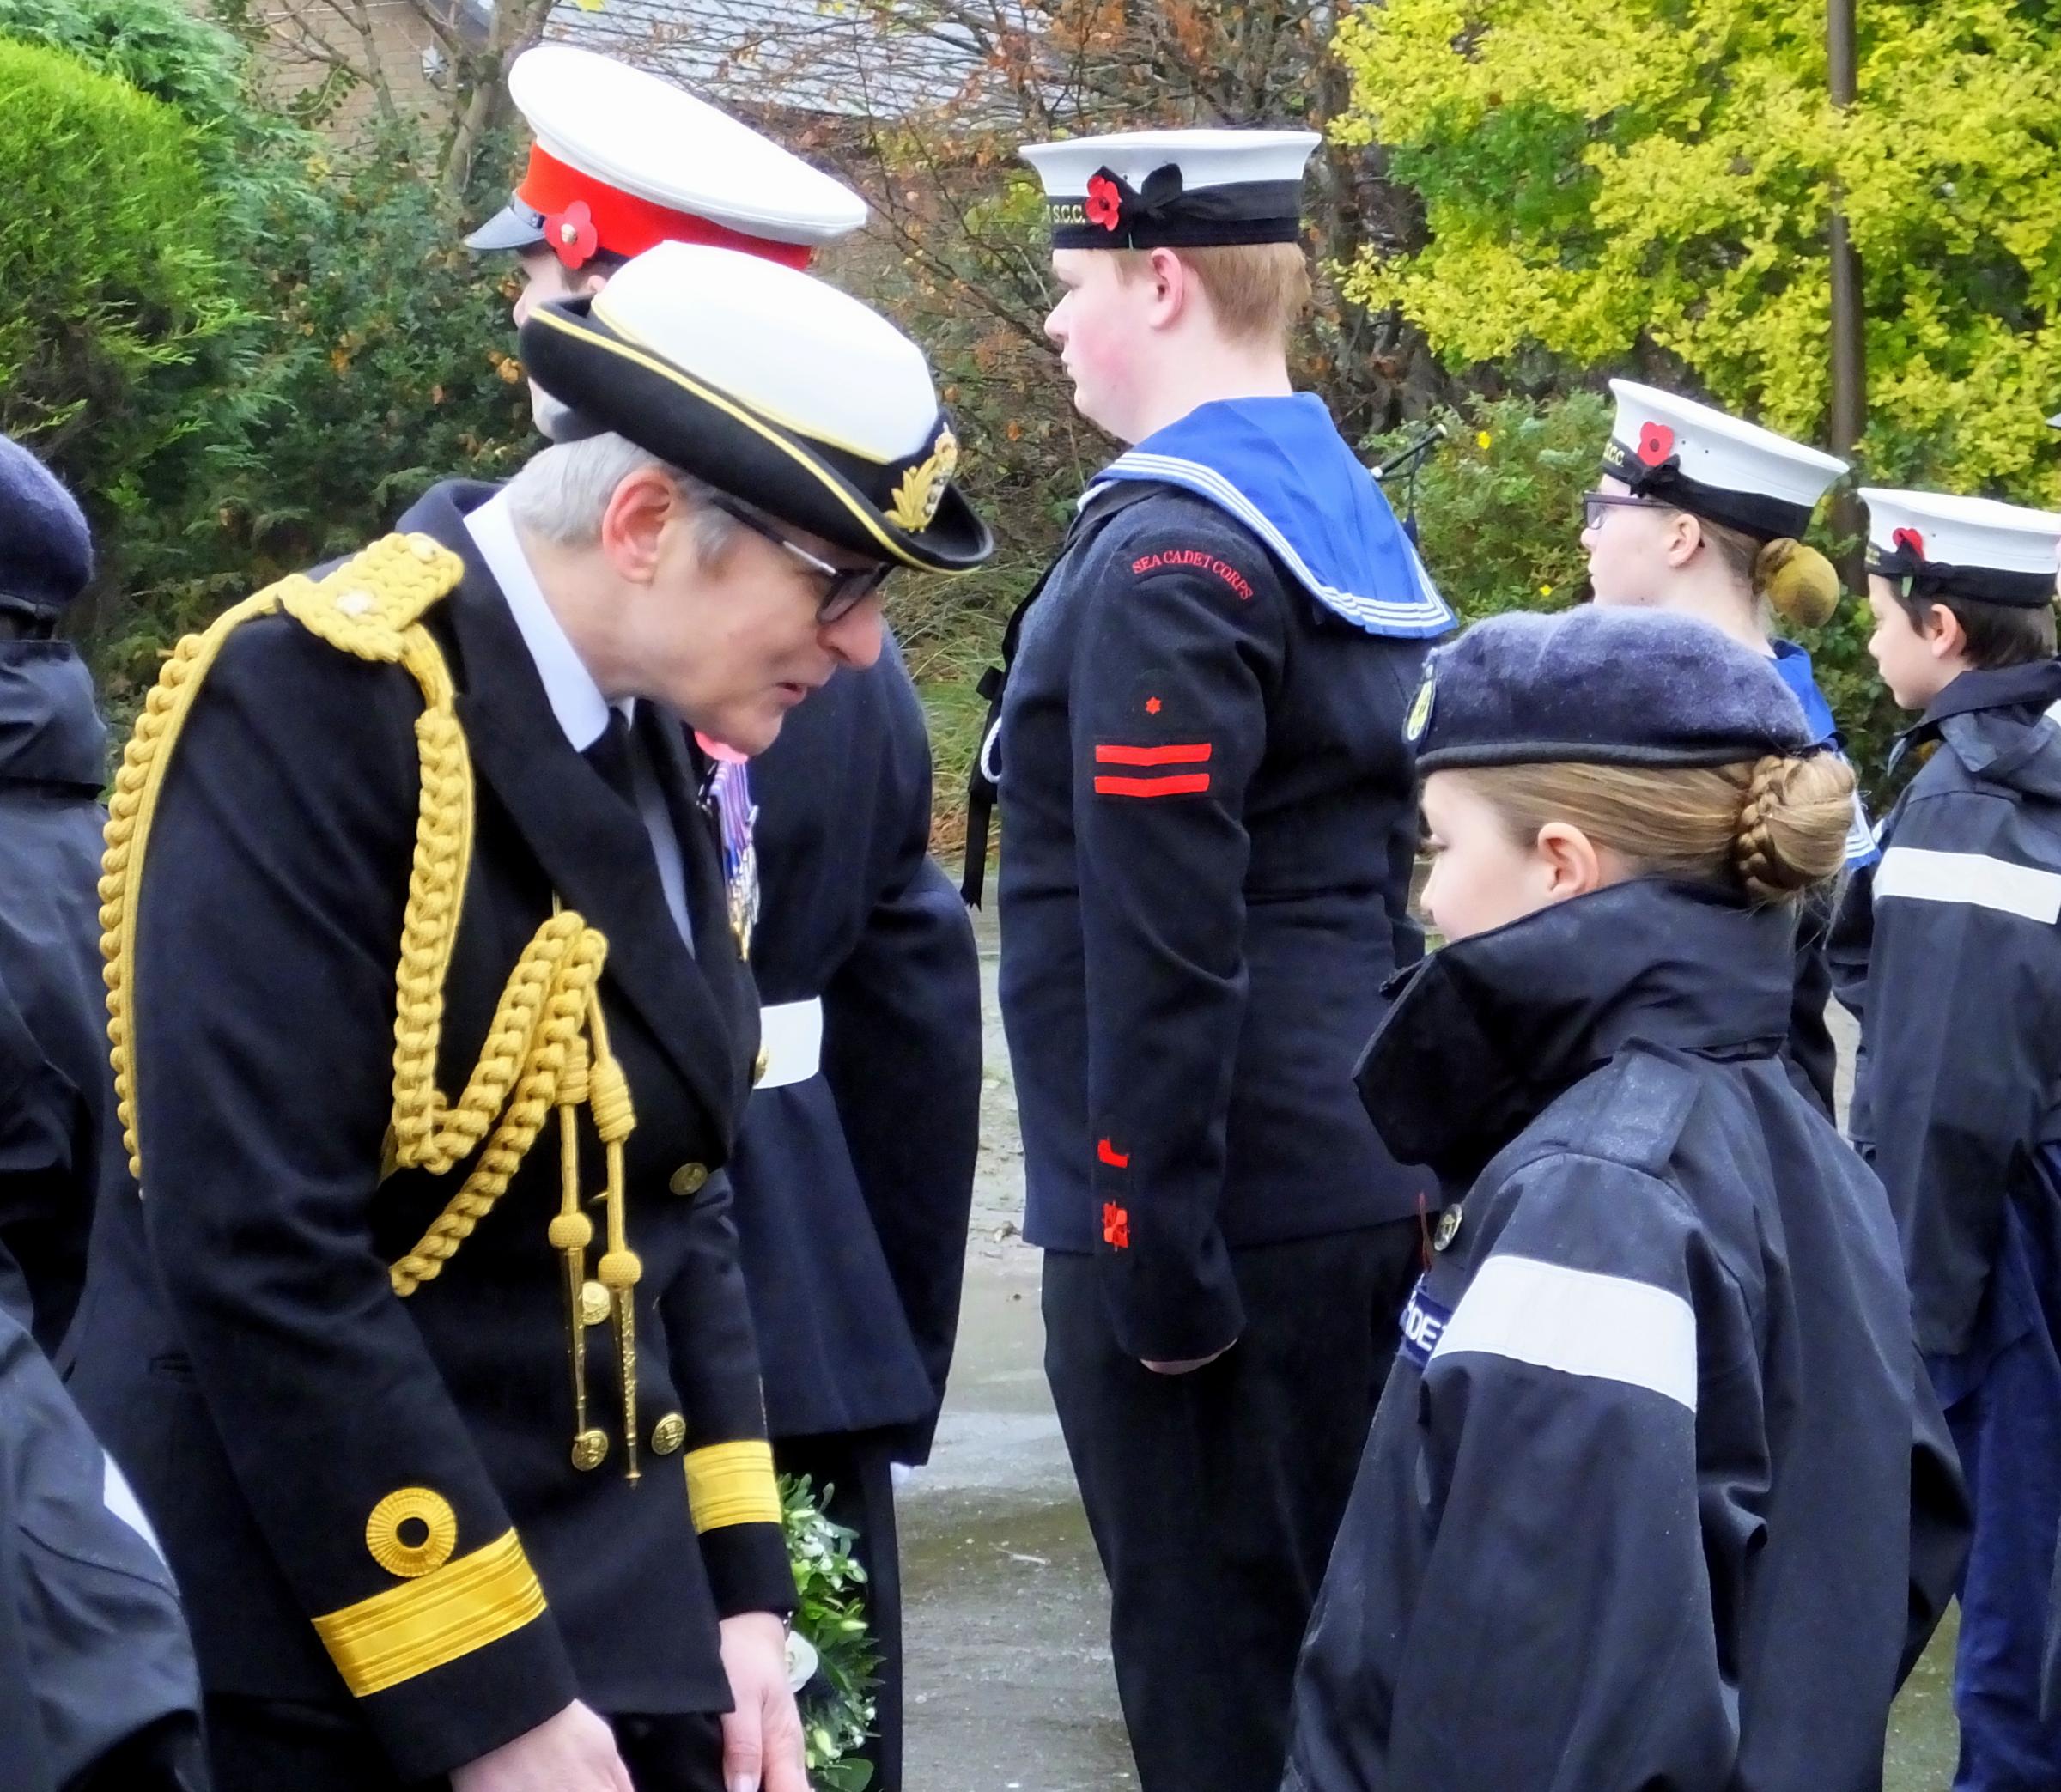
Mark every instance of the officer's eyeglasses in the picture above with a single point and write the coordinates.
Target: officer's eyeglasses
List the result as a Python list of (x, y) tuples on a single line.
[(1596, 504), (845, 588)]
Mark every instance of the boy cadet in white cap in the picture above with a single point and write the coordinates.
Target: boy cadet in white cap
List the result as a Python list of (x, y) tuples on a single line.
[(1701, 514), (1956, 1101), (427, 1341), (1209, 818), (853, 1223)]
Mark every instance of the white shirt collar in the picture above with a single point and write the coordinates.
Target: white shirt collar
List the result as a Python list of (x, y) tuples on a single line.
[(576, 699)]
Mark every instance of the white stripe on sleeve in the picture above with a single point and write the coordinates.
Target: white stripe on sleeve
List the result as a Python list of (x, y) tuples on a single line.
[(1607, 1327), (117, 1496), (1972, 878)]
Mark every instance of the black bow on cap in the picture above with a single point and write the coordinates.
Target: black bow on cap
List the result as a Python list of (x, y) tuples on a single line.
[(1152, 204)]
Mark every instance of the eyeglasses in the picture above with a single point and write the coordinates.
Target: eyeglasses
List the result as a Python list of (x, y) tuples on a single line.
[(845, 588), (1596, 503)]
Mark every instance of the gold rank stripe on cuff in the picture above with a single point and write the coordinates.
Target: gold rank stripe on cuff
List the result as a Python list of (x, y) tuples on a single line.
[(732, 1484), (434, 1620)]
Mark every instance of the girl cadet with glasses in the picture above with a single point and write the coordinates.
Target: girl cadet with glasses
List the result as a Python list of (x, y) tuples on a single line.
[(1700, 514)]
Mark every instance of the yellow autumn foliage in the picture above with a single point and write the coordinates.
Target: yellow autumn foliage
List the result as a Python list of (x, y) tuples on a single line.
[(1601, 179)]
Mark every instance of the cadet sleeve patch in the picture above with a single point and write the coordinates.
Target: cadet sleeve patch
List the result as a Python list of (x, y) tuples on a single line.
[(1162, 783), (1195, 560)]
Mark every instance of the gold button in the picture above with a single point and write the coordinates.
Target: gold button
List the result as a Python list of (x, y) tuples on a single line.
[(689, 1179), (588, 1448), (593, 1303), (760, 1066), (668, 1435)]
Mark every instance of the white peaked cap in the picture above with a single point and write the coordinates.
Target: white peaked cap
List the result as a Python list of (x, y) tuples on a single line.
[(771, 386), (1720, 454), (653, 162), (1968, 532)]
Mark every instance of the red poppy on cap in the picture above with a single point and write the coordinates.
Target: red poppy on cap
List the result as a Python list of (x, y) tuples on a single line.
[(572, 235), (1656, 443), (1909, 538), (1105, 204)]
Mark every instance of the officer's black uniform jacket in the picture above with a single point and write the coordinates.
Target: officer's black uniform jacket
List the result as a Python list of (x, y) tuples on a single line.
[(1637, 1506), (56, 1097), (97, 1683), (1208, 822), (1960, 1065), (240, 1347), (853, 1187)]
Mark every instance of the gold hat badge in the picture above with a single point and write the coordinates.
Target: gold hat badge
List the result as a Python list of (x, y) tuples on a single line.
[(923, 487)]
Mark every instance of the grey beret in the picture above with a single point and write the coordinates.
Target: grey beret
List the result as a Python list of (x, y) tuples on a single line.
[(45, 549), (1601, 686)]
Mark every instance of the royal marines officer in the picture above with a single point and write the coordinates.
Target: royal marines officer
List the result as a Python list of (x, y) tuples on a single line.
[(426, 1346), (1956, 1098), (1208, 816), (1699, 513), (853, 1222), (1638, 1507), (57, 1105)]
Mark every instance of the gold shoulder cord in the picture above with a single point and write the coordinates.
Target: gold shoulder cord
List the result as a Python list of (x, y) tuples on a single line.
[(548, 1044)]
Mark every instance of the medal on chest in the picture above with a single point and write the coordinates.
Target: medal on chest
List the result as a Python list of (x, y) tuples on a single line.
[(727, 794)]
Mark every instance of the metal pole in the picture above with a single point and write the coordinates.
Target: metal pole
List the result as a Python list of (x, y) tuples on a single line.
[(1849, 366)]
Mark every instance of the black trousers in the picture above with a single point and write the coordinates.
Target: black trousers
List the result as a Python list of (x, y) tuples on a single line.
[(857, 1468), (263, 1745), (1214, 1497)]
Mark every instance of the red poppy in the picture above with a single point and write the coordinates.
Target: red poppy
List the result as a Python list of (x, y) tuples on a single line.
[(1656, 443), (1115, 1226), (1910, 540), (572, 235), (1105, 204)]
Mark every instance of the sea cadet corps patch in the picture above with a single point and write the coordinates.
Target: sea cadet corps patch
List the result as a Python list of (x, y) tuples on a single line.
[(1423, 1322)]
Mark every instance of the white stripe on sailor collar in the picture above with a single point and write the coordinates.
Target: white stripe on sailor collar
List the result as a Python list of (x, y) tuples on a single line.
[(1608, 1329), (1425, 614)]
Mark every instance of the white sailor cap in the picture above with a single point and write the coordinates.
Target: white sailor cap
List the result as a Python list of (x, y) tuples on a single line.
[(623, 161), (772, 387), (1682, 453), (1173, 188), (1939, 546)]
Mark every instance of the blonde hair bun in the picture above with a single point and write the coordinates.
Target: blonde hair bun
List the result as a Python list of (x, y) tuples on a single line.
[(1793, 825), (1798, 581)]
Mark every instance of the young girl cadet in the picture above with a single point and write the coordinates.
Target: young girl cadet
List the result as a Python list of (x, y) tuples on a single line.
[(1636, 1509), (1698, 513)]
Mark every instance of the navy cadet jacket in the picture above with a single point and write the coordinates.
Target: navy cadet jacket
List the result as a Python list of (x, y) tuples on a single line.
[(853, 1185), (97, 1690), (1960, 1063), (1209, 824), (1637, 1509), (240, 1347), (56, 1096)]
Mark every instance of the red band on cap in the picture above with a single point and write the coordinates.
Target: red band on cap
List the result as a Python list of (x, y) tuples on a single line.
[(627, 225)]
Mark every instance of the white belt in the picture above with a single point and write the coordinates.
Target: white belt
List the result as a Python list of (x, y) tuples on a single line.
[(790, 1037)]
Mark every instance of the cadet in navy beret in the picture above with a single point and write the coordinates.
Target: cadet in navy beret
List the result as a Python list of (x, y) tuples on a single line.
[(1666, 1265), (45, 548), (53, 761)]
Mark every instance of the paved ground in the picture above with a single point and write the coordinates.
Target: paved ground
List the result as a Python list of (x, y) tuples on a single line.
[(1009, 1681)]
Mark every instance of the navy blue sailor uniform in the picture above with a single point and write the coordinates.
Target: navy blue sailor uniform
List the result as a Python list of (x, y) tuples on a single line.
[(1955, 1107), (1654, 1497), (1208, 818), (383, 1397)]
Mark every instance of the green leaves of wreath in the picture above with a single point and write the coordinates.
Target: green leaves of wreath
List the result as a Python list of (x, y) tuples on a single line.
[(837, 1710)]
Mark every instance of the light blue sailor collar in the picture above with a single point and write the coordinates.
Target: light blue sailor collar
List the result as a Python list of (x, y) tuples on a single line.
[(576, 699), (1280, 467)]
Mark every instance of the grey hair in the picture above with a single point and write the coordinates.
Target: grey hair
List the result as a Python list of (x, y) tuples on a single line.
[(561, 493)]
